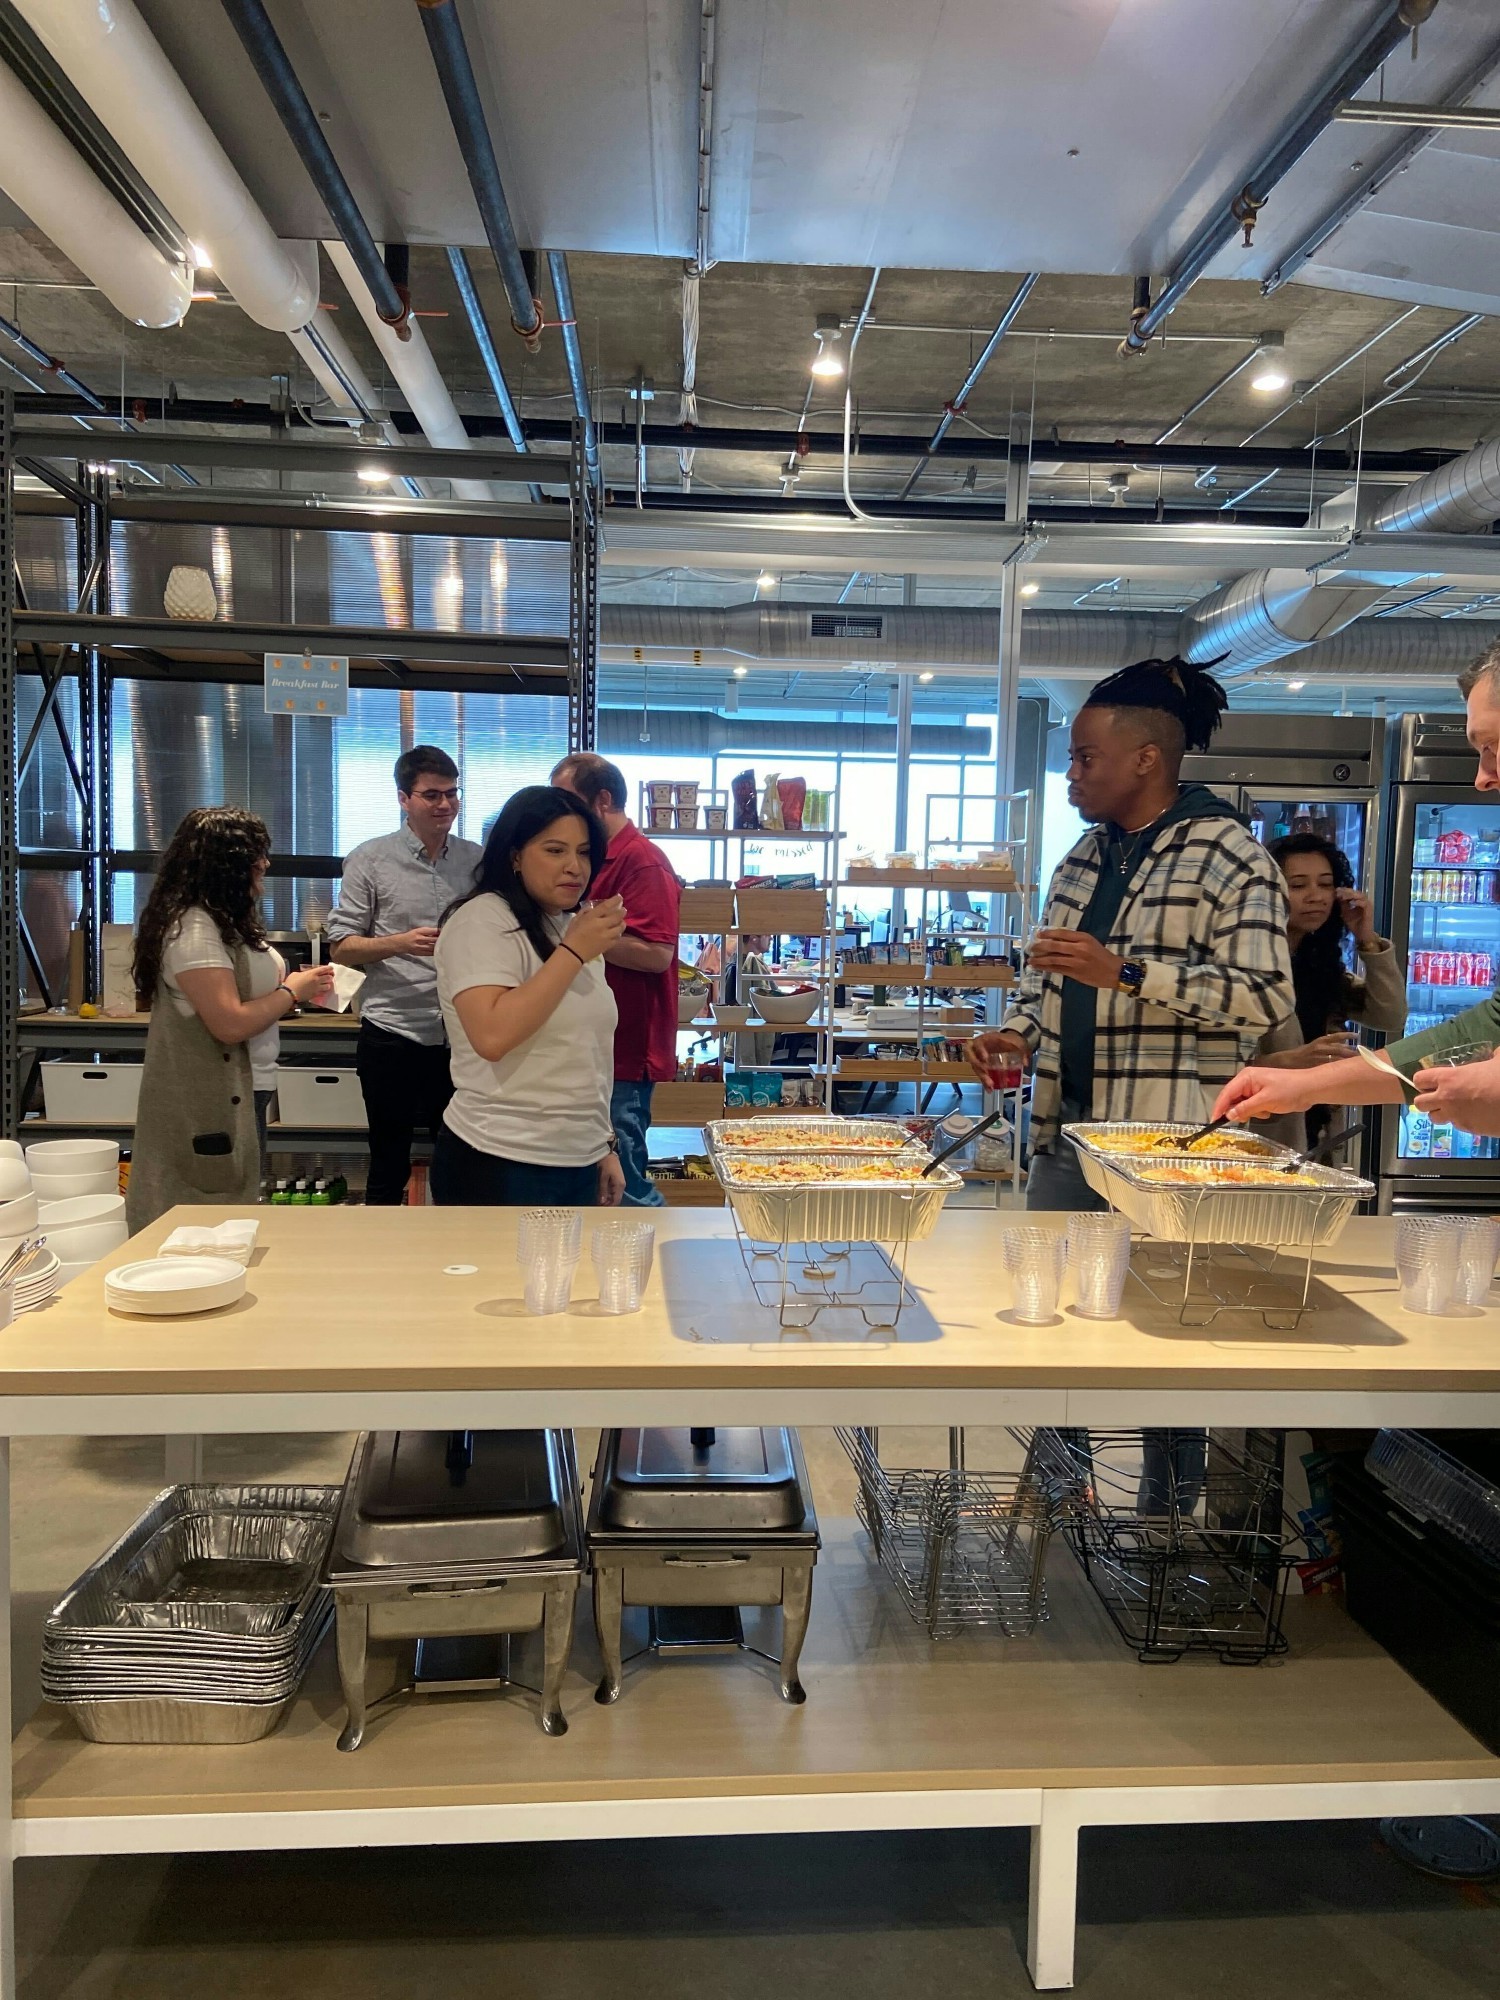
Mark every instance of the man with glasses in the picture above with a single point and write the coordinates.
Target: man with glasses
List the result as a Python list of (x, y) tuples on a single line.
[(391, 900)]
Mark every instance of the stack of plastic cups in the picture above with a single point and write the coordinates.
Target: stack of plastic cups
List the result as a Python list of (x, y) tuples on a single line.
[(622, 1262), (1478, 1246), (1034, 1259), (1099, 1258), (1427, 1254), (547, 1252)]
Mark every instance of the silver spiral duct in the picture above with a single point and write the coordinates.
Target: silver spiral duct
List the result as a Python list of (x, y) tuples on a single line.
[(1461, 498), (1404, 648), (1266, 615)]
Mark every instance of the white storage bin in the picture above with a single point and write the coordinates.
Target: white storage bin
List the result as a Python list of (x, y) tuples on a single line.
[(91, 1093), (323, 1097)]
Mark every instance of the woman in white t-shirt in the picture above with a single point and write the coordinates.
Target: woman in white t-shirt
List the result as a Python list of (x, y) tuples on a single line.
[(530, 1017), (217, 992)]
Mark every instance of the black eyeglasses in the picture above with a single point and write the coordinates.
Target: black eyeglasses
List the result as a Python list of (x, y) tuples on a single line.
[(450, 798)]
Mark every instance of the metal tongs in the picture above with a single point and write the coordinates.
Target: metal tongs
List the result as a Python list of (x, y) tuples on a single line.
[(970, 1132), (1317, 1153), (1170, 1143), (20, 1258)]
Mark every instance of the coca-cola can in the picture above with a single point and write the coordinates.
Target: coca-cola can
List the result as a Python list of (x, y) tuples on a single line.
[(1417, 973)]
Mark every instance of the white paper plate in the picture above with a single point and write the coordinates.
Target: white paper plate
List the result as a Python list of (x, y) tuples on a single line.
[(159, 1286)]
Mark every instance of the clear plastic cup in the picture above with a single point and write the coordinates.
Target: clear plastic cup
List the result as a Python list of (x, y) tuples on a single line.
[(1478, 1248), (622, 1259), (555, 1229), (1427, 1262), (1098, 1258), (548, 1282), (1459, 1055), (1034, 1258)]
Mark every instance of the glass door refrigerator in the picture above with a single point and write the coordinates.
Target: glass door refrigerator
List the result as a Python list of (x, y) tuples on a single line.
[(1444, 915)]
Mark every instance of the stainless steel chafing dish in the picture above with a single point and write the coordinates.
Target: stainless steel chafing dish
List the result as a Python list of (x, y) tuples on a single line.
[(1306, 1214), (712, 1517), (443, 1534)]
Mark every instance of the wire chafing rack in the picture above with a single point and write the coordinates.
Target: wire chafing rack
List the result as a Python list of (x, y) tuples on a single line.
[(963, 1548), (1181, 1533)]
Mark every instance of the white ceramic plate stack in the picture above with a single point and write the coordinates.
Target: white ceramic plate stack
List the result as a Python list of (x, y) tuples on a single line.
[(37, 1284), (163, 1287), (65, 1169)]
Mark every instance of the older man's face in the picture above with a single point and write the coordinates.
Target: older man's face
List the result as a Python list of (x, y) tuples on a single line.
[(1484, 733)]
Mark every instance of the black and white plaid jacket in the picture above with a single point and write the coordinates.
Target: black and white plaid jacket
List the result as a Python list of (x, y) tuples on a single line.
[(1206, 913)]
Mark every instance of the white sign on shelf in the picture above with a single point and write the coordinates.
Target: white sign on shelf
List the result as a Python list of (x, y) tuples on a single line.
[(307, 683)]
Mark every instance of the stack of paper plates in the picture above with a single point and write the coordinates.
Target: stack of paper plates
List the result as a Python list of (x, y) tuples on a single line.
[(166, 1285), (37, 1284)]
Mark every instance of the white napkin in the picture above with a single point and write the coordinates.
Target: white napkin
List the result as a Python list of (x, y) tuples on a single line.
[(234, 1240)]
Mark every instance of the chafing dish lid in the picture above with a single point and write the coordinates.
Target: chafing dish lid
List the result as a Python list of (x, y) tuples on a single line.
[(746, 1478), (499, 1492)]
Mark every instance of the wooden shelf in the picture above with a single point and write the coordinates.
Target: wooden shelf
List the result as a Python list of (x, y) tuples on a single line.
[(686, 1103), (984, 881), (750, 833), (780, 912), (973, 976), (706, 910), (691, 1193), (857, 1069), (888, 1711)]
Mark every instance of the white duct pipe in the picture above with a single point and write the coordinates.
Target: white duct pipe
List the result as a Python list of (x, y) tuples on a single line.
[(49, 181), (117, 66), (416, 373)]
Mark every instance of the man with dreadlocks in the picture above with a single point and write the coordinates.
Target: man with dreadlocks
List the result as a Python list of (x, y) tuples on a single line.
[(1162, 959)]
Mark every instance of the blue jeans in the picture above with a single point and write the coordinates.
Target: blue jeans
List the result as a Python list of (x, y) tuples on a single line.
[(463, 1177), (630, 1114), (1056, 1181)]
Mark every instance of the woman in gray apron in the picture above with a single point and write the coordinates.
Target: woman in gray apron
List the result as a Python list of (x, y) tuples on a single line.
[(217, 992)]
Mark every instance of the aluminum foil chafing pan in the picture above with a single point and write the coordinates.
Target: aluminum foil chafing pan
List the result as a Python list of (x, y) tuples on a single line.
[(806, 1135), (1298, 1216), (834, 1211)]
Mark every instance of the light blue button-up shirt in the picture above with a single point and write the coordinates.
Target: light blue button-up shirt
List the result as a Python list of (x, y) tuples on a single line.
[(390, 886)]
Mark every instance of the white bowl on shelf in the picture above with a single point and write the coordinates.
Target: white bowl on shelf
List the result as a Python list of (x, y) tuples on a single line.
[(72, 1187), (12, 1149), (793, 1009), (691, 1002), (86, 1228), (15, 1179), (73, 1156), (730, 1016), (162, 1287), (18, 1217)]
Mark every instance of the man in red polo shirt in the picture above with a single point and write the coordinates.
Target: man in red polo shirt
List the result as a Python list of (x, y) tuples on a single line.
[(641, 968)]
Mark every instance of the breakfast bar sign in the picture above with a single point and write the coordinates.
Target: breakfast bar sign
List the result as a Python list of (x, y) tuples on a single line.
[(307, 684)]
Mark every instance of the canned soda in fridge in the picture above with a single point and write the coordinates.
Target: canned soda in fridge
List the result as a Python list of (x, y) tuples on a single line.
[(1416, 971), (1468, 886), (1449, 893), (1485, 885)]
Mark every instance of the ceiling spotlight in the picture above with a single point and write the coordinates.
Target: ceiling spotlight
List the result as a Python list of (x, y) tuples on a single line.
[(1119, 487), (201, 257), (1268, 376), (765, 581), (376, 475), (100, 465), (1030, 589), (925, 678), (1293, 686), (740, 673), (828, 362)]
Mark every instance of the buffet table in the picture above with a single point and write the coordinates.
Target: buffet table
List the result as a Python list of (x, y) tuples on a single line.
[(353, 1319)]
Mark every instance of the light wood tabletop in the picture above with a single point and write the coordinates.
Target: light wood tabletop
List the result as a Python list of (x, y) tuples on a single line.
[(351, 1299)]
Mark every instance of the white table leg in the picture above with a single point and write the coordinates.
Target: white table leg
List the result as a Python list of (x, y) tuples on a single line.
[(7, 1849), (184, 1461), (1054, 1896)]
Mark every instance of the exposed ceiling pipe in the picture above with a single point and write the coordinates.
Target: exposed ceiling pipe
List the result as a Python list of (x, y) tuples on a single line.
[(954, 409), (484, 340), (415, 372), (562, 289), (339, 375), (49, 181), (1465, 117), (1460, 499), (273, 66), (116, 64), (1238, 208), (450, 54)]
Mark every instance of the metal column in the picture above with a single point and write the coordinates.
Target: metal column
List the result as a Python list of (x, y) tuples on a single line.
[(10, 951), (905, 687), (583, 602)]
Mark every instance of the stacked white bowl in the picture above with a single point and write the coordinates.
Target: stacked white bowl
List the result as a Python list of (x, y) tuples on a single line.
[(65, 1169), (84, 1229)]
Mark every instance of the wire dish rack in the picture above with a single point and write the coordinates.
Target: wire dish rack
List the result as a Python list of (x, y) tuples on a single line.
[(963, 1548), (1181, 1534)]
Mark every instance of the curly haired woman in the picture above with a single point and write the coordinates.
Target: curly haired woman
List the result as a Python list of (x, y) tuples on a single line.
[(218, 991)]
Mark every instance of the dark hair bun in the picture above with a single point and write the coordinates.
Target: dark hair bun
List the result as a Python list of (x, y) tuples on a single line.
[(1189, 694)]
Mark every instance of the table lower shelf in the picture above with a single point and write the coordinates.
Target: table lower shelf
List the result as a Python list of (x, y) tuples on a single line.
[(694, 1744)]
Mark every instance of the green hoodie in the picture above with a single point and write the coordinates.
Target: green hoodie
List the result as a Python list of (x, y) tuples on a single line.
[(1098, 921)]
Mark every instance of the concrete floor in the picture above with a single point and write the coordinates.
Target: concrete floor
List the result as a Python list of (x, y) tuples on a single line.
[(1322, 1912)]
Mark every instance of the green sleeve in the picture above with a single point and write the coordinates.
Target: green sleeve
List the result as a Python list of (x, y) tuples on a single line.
[(1475, 1024)]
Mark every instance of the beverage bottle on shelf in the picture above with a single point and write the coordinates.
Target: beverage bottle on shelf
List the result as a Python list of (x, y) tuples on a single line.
[(1442, 1142), (1416, 1135)]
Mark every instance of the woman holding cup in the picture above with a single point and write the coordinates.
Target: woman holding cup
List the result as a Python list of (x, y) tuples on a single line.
[(530, 1017)]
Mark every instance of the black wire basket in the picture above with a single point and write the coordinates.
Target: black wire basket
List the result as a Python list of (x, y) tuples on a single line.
[(1181, 1533)]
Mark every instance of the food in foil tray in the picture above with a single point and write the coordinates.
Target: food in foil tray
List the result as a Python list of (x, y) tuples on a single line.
[(803, 1173), (1212, 1146), (767, 1136), (1226, 1174)]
